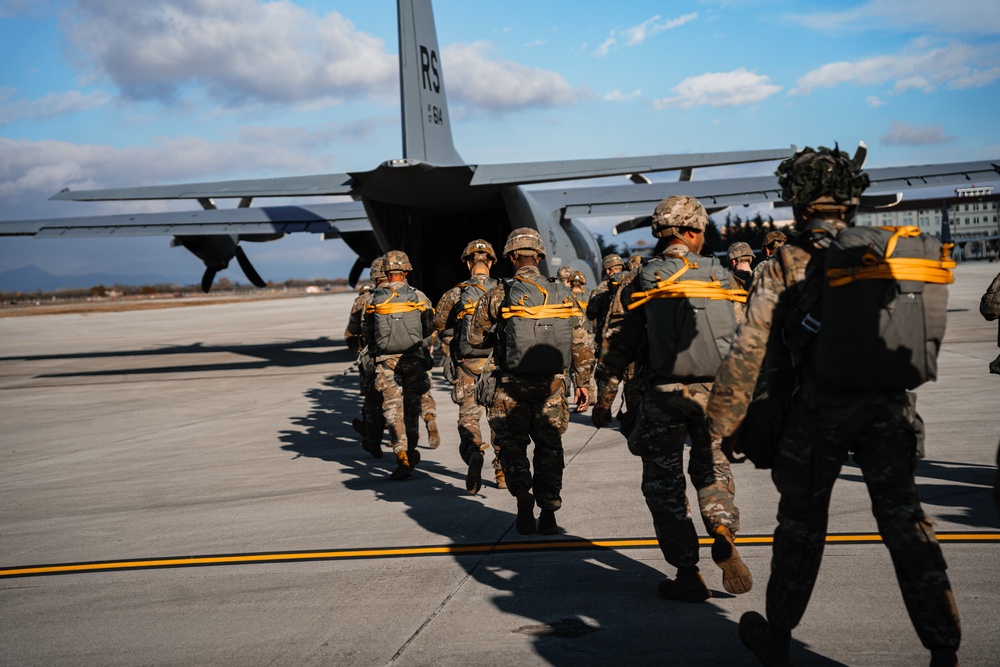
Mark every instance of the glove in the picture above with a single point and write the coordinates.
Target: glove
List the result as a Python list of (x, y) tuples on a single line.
[(600, 416)]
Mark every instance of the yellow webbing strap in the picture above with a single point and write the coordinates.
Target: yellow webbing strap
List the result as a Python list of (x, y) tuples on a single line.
[(470, 305), (897, 268), (389, 308), (687, 289), (542, 312)]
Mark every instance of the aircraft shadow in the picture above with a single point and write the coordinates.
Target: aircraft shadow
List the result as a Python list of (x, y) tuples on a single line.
[(290, 354), (586, 607), (967, 494)]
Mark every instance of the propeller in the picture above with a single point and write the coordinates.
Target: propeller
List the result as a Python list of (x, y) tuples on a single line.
[(217, 251), (355, 274), (248, 270)]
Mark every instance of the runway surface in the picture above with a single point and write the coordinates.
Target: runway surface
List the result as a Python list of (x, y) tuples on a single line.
[(183, 486)]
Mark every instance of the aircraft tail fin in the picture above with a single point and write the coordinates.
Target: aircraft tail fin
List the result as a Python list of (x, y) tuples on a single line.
[(426, 123)]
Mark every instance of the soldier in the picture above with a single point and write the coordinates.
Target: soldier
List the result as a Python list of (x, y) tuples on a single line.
[(372, 423), (600, 299), (536, 331), (740, 257), (454, 312), (826, 423), (676, 372), (772, 241), (565, 276), (397, 320), (989, 307)]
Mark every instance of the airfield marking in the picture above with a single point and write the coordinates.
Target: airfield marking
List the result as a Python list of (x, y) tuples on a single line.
[(451, 549)]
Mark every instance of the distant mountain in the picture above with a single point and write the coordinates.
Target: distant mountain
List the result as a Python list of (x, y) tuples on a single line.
[(31, 278)]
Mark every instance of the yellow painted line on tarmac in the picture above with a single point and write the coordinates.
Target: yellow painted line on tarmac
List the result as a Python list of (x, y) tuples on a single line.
[(450, 549)]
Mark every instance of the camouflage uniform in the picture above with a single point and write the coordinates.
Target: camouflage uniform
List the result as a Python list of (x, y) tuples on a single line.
[(402, 380), (372, 418), (825, 426), (668, 412), (989, 307), (531, 407), (466, 372)]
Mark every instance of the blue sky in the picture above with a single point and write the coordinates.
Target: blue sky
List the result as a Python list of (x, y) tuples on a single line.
[(103, 93)]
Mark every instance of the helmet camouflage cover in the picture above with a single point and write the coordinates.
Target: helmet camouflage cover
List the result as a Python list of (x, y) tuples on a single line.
[(396, 260), (740, 250), (826, 175), (579, 279), (478, 247), (611, 261), (524, 239), (377, 271), (565, 274), (775, 238), (678, 212)]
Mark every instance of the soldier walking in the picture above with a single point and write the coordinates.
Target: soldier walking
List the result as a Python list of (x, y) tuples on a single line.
[(537, 333), (828, 422), (372, 423), (397, 320), (454, 312), (668, 307)]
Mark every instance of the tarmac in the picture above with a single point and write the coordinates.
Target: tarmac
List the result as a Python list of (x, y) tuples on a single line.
[(183, 486)]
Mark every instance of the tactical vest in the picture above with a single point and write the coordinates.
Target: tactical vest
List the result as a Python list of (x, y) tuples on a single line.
[(884, 308), (397, 322), (469, 295), (690, 320), (537, 331)]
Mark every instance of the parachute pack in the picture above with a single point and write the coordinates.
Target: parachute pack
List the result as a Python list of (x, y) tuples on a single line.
[(398, 326), (538, 326), (470, 293), (690, 319), (884, 308)]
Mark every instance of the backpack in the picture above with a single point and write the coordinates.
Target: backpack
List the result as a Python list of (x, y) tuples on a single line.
[(469, 295), (690, 321), (397, 321), (537, 332), (884, 308)]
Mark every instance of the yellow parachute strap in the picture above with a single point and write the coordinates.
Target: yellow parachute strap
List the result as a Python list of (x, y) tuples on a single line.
[(387, 308), (687, 289), (470, 305), (897, 268), (545, 311)]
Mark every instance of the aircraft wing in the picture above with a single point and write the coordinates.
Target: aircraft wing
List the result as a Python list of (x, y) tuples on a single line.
[(333, 220), (637, 201), (523, 173), (289, 186)]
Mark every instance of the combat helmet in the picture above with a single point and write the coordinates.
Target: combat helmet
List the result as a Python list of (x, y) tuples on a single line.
[(824, 181), (396, 261), (478, 247), (740, 251), (611, 261), (676, 213), (776, 239), (524, 240), (377, 270), (578, 279), (565, 274)]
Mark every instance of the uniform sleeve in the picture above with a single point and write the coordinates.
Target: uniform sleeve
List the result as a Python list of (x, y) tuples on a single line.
[(989, 305), (737, 377), (583, 354), (485, 316), (624, 332), (443, 318)]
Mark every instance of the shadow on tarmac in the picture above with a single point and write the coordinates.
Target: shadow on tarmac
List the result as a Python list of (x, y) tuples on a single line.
[(586, 607), (968, 494)]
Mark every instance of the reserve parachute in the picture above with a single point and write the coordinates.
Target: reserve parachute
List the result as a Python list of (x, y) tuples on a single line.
[(397, 319), (537, 334), (469, 294)]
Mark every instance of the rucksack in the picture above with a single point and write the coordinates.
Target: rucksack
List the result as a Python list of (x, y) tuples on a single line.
[(396, 315), (468, 296), (690, 321), (884, 308), (537, 332)]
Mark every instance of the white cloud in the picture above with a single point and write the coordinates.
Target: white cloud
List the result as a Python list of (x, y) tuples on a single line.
[(719, 89), (48, 106), (902, 134), (874, 102), (619, 96), (638, 34), (476, 76), (955, 66), (966, 17), (235, 49)]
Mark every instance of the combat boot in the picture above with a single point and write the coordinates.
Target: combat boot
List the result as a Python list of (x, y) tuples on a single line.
[(772, 647), (405, 464), (547, 523), (433, 439), (736, 577), (372, 447), (944, 657), (689, 586), (525, 523), (474, 478)]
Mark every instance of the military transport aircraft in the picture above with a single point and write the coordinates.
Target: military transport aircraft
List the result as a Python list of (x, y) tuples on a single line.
[(418, 202)]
